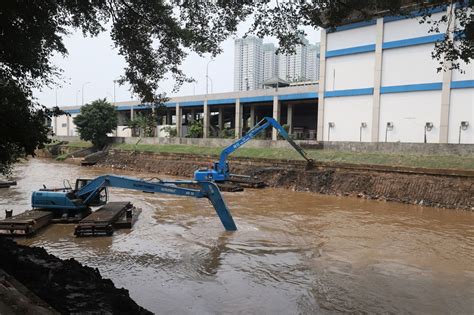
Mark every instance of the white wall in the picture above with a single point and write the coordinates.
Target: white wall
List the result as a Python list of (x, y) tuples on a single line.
[(72, 126), (121, 132), (409, 112), (350, 72), (347, 113), (61, 129), (466, 74), (461, 109), (351, 38), (409, 65), (409, 28)]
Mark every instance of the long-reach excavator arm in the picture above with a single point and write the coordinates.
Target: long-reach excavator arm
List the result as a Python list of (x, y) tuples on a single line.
[(220, 172), (88, 195)]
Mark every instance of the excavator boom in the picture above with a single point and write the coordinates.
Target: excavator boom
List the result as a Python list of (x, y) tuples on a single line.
[(221, 168)]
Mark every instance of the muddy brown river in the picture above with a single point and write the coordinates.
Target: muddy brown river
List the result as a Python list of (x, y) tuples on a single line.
[(294, 252)]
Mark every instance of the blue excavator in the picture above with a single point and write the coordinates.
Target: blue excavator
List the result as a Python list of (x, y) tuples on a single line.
[(71, 202), (221, 171)]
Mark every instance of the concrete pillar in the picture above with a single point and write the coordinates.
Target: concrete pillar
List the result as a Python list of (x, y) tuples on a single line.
[(68, 118), (221, 119), (155, 132), (193, 115), (206, 120), (322, 84), (446, 88), (55, 125), (289, 115), (132, 113), (169, 117), (238, 118), (377, 80), (252, 116), (179, 117), (276, 115)]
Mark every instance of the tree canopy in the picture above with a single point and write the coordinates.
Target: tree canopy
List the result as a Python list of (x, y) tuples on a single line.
[(154, 37), (95, 121)]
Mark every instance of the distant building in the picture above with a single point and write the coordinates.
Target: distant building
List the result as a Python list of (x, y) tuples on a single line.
[(270, 62), (292, 67), (256, 62), (312, 62), (248, 64)]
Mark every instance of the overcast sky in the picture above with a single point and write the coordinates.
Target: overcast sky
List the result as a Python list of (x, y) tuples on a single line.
[(94, 60)]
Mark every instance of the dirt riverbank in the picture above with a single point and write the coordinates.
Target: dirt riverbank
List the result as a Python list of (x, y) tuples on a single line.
[(65, 285), (437, 188)]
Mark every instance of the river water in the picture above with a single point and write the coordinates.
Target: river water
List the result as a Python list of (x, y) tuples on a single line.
[(294, 252)]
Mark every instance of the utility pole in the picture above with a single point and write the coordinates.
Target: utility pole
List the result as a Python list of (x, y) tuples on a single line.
[(207, 76), (83, 85), (77, 93)]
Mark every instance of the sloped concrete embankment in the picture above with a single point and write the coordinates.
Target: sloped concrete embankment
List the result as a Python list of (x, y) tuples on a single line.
[(436, 188)]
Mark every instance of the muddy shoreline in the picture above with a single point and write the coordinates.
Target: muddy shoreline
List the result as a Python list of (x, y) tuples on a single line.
[(453, 189), (65, 285)]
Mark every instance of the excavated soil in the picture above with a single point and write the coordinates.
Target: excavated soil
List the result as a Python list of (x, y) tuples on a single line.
[(436, 188), (66, 285)]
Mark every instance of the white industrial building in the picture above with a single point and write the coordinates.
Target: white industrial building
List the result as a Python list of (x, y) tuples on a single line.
[(378, 82)]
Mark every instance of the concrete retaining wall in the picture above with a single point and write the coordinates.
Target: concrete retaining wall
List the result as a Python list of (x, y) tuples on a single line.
[(398, 147)]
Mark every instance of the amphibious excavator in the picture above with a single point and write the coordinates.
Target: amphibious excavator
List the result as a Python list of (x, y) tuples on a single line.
[(221, 172), (70, 202)]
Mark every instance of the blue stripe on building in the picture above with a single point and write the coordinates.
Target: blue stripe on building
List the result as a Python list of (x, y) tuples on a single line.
[(352, 26), (464, 84), (350, 92), (350, 51), (299, 96), (72, 111), (435, 86), (413, 41), (413, 14), (255, 99), (221, 102)]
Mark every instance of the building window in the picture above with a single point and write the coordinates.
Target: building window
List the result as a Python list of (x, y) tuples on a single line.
[(64, 125)]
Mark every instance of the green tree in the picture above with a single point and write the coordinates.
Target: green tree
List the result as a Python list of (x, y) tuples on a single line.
[(145, 123), (95, 121), (196, 129)]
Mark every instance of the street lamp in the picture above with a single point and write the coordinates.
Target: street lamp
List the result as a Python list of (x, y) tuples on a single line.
[(77, 93), (115, 81), (194, 87), (83, 85), (207, 75), (211, 83)]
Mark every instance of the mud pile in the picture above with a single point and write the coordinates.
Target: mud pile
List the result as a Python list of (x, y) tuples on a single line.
[(436, 188), (65, 285)]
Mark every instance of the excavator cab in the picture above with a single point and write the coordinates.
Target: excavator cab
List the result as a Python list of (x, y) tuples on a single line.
[(101, 197)]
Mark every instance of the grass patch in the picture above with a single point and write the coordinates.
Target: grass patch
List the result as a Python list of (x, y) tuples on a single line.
[(79, 144), (62, 157), (403, 160), (76, 144)]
